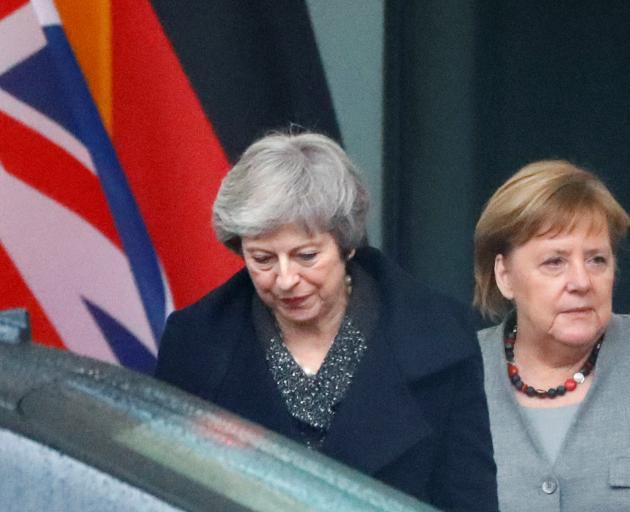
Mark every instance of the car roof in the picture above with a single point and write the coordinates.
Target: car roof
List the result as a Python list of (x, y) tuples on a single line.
[(187, 452)]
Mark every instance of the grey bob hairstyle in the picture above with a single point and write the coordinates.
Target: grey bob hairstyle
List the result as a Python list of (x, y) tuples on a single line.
[(304, 179)]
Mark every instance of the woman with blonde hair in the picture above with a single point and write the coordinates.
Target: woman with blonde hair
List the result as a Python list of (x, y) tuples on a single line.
[(557, 366)]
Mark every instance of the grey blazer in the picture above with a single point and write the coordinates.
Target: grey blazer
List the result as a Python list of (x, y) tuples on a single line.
[(592, 470)]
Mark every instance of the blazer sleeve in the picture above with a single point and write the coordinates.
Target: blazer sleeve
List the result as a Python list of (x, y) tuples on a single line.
[(465, 476)]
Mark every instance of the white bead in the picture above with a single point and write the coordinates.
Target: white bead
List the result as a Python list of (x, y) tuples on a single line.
[(578, 377)]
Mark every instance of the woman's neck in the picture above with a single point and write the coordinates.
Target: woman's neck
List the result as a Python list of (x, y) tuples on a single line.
[(549, 354), (315, 335), (309, 343), (546, 364)]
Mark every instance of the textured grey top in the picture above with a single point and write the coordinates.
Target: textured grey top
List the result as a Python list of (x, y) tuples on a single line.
[(551, 425), (312, 399)]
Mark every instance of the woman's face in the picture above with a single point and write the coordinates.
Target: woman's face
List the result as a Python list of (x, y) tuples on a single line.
[(299, 276), (561, 285)]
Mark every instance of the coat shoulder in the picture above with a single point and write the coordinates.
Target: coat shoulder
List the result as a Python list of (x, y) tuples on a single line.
[(217, 303), (199, 339), (429, 331)]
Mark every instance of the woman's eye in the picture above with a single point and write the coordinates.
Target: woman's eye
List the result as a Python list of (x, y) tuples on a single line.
[(553, 262), (261, 260), (307, 256), (599, 260)]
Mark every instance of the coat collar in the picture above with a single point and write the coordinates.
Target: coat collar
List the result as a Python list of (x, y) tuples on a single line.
[(379, 418), (248, 387), (417, 336), (428, 331)]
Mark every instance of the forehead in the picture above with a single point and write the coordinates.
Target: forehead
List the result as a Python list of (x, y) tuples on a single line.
[(287, 237), (585, 231)]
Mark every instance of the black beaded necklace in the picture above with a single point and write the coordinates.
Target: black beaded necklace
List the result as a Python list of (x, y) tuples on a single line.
[(569, 384)]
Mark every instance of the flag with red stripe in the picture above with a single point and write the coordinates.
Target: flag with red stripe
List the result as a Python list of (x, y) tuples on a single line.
[(107, 196), (72, 236)]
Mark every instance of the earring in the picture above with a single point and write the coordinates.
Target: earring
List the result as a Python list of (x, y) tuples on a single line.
[(348, 282)]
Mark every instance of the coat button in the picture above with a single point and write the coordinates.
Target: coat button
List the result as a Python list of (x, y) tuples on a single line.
[(549, 486)]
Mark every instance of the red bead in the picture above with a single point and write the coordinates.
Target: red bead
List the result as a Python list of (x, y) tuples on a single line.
[(512, 369), (524, 387), (570, 384)]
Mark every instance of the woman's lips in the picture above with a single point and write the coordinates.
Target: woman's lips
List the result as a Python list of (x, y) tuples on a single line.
[(294, 302), (578, 310)]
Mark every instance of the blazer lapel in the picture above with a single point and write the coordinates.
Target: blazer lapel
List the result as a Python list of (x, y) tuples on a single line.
[(249, 390), (379, 418)]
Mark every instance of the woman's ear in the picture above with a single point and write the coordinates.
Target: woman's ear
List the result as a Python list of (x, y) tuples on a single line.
[(502, 277)]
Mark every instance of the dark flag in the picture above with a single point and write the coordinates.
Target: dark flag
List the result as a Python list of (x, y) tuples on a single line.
[(254, 65)]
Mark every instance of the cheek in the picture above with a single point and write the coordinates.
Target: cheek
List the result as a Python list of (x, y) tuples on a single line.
[(602, 289), (535, 292), (604, 293), (320, 280), (262, 282), (335, 288), (607, 286), (538, 302)]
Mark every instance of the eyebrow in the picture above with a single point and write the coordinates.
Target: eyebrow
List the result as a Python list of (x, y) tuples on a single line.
[(588, 252), (314, 245), (599, 250)]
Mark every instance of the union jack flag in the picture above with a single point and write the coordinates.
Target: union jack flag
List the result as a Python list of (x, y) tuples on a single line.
[(75, 248), (111, 153)]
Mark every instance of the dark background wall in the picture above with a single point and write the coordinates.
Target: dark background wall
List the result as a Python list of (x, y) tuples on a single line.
[(474, 91)]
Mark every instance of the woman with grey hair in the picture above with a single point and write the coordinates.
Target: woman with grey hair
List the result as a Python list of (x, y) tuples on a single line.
[(324, 340)]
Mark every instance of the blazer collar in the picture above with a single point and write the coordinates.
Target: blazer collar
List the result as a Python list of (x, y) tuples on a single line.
[(379, 418)]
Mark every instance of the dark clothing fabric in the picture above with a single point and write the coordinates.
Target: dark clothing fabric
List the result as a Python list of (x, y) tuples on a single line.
[(415, 415), (312, 400)]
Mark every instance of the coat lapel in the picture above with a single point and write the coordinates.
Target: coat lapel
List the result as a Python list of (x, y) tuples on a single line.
[(379, 418), (249, 390)]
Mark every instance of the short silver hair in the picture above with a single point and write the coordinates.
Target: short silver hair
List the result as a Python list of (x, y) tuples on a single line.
[(304, 179)]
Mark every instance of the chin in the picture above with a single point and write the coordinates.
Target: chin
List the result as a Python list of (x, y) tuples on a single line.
[(299, 316), (580, 337)]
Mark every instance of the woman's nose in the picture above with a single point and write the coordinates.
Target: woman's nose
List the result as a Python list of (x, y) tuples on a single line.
[(579, 279), (287, 276)]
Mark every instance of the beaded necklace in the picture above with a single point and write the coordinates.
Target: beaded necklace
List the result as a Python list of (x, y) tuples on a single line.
[(569, 384)]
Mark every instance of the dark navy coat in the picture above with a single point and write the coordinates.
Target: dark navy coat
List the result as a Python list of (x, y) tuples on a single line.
[(415, 415)]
